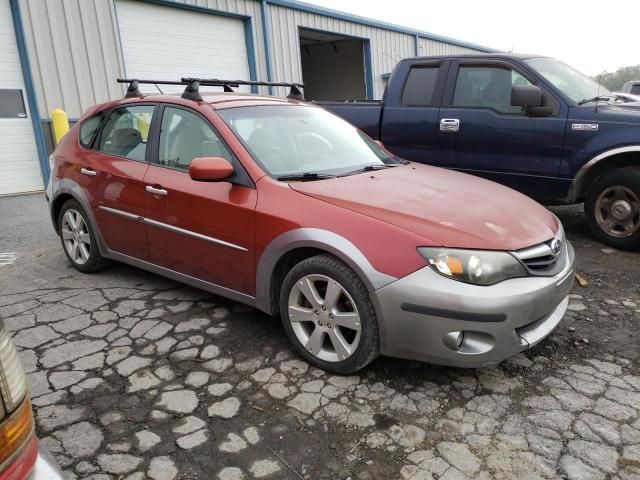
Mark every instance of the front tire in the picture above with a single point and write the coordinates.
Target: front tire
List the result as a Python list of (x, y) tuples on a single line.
[(78, 239), (328, 315), (612, 208)]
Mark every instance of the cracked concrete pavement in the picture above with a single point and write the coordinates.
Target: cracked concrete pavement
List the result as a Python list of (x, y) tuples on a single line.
[(135, 376)]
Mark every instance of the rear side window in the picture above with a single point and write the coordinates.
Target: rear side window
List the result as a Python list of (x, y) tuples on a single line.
[(125, 132), (635, 89), (420, 87), (89, 128)]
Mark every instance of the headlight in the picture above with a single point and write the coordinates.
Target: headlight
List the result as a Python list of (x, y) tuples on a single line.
[(13, 383), (480, 267)]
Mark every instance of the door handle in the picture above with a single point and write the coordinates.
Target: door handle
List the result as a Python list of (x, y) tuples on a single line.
[(449, 125), (156, 191), (88, 171)]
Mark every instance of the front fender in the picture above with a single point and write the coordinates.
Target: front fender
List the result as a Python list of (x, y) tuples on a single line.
[(313, 238)]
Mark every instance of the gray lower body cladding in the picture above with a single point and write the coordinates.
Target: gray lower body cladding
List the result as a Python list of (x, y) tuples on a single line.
[(420, 316)]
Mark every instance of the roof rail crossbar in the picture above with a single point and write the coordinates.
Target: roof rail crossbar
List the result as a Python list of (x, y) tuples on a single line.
[(192, 86)]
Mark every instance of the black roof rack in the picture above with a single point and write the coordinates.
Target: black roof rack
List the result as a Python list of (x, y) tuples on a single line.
[(192, 86)]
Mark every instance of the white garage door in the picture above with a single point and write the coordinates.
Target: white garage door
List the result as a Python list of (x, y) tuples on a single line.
[(19, 164), (167, 43)]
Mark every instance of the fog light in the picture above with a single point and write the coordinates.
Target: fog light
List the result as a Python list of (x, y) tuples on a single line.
[(453, 340)]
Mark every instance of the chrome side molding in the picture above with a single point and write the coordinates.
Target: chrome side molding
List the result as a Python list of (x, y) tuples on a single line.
[(171, 228)]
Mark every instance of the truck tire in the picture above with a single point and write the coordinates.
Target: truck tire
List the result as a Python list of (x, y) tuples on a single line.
[(612, 208), (328, 315)]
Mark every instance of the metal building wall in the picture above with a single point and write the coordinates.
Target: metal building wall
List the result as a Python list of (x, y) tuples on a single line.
[(430, 47), (75, 53), (387, 47)]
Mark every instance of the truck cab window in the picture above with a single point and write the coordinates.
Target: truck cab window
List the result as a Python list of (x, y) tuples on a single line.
[(487, 87), (420, 86)]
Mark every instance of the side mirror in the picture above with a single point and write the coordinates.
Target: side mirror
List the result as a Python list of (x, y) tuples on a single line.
[(529, 97), (210, 169), (526, 96)]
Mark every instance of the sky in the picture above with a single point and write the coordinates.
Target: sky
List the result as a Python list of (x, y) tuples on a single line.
[(590, 37)]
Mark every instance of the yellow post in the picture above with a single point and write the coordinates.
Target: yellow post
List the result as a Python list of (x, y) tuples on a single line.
[(143, 125), (60, 122)]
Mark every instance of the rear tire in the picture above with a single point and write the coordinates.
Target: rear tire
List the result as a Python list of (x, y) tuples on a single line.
[(78, 238), (328, 315), (612, 208)]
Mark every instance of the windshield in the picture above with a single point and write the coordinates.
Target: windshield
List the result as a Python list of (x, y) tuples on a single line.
[(287, 140), (572, 83)]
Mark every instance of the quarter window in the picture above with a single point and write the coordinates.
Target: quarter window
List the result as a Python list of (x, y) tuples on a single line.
[(487, 87), (89, 128), (125, 133), (185, 136), (420, 86)]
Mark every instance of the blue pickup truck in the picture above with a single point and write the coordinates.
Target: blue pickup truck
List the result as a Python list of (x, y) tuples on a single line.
[(529, 122)]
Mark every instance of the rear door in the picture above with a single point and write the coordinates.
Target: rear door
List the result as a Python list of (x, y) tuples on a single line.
[(202, 229), (111, 173), (481, 133), (410, 116)]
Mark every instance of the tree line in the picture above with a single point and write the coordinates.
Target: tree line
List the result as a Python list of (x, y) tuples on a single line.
[(613, 81)]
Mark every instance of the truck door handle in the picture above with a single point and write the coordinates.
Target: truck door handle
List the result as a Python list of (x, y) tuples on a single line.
[(88, 171), (449, 125), (156, 191)]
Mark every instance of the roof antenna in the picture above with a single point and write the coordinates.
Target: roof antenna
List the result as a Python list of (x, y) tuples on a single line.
[(192, 91), (133, 90), (161, 92), (295, 93)]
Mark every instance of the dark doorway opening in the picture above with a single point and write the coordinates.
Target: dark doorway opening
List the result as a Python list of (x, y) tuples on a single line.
[(333, 66)]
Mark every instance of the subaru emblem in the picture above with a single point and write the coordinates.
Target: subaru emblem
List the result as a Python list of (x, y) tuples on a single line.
[(556, 245)]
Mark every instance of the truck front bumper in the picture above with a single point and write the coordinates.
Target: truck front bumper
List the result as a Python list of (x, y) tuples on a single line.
[(426, 316)]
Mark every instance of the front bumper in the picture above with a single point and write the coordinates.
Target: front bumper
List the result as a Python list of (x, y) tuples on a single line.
[(416, 313)]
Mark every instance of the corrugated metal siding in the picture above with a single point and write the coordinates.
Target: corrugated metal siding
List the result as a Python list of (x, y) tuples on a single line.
[(430, 47), (74, 53), (387, 47)]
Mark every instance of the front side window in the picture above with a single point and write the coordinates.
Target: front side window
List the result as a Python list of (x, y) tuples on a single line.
[(299, 139), (420, 86), (125, 133), (185, 136), (487, 87)]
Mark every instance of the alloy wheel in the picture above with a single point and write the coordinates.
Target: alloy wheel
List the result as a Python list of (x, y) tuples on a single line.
[(75, 235), (324, 318), (617, 211)]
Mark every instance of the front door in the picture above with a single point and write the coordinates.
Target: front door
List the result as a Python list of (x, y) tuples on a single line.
[(111, 173), (483, 134), (202, 229)]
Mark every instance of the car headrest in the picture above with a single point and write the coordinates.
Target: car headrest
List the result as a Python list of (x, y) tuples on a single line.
[(126, 138)]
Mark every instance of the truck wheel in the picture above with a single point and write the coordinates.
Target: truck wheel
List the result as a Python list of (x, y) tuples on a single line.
[(328, 315), (78, 239), (613, 208)]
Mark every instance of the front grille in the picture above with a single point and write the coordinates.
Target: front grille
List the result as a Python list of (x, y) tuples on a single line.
[(541, 259)]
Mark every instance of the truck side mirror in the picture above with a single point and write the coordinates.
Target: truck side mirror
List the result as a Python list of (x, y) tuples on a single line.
[(529, 97), (526, 96)]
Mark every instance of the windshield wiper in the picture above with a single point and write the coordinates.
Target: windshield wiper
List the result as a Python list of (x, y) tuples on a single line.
[(369, 168), (304, 176), (595, 99)]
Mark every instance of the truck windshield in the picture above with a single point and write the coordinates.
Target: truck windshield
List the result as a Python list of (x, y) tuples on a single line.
[(291, 141), (575, 85)]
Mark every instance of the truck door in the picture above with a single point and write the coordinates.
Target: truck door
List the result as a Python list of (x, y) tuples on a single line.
[(481, 133), (410, 117)]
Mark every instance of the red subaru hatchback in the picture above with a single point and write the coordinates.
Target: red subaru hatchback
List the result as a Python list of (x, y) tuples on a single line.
[(281, 205)]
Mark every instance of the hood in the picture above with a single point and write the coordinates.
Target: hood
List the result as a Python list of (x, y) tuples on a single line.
[(450, 209)]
